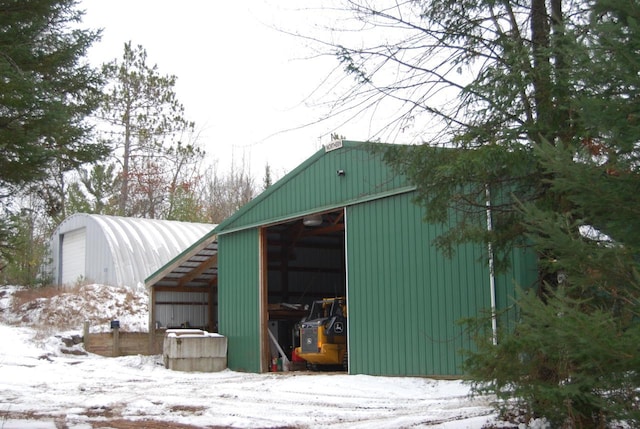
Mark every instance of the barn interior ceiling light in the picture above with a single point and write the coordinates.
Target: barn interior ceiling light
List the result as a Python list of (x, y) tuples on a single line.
[(313, 220)]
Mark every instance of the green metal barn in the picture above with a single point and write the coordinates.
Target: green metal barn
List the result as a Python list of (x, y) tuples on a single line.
[(342, 224)]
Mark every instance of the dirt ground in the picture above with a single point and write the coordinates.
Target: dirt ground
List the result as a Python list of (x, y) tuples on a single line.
[(108, 423), (153, 424)]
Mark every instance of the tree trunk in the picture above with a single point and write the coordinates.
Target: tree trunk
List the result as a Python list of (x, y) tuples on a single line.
[(542, 79), (124, 187)]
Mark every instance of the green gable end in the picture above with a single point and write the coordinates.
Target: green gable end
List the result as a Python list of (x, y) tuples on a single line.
[(316, 185)]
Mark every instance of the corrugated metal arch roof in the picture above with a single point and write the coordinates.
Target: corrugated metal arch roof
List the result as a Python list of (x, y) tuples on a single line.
[(141, 246), (137, 246)]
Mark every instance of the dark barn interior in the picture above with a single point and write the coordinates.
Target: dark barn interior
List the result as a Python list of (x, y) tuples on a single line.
[(305, 261)]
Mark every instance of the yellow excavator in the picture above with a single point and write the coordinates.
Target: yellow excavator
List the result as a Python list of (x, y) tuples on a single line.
[(323, 335)]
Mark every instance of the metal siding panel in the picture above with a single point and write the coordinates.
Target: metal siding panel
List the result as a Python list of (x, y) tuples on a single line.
[(386, 290), (409, 299), (364, 347), (395, 287), (405, 297), (524, 274), (100, 268), (315, 185), (419, 307), (176, 314), (239, 298)]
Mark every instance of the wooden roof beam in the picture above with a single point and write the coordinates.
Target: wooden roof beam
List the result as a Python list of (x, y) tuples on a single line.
[(197, 271)]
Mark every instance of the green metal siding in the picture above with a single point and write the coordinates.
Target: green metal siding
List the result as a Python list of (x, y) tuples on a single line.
[(239, 298), (523, 274), (405, 298), (315, 186)]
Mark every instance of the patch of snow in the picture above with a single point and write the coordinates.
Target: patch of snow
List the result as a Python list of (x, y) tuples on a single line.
[(536, 424), (44, 389), (69, 309)]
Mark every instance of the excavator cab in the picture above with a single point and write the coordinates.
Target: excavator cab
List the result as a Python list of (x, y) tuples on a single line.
[(323, 334)]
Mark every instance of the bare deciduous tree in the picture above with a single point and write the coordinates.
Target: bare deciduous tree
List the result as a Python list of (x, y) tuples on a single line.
[(224, 194)]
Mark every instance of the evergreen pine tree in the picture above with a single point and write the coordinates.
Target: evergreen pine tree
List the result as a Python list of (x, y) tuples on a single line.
[(46, 92), (575, 354)]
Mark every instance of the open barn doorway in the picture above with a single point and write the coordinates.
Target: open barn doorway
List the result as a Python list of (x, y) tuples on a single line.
[(305, 262)]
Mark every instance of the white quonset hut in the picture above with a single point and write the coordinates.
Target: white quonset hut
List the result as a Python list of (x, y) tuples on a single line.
[(117, 251)]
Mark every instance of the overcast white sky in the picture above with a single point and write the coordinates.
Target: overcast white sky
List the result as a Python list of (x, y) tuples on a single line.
[(242, 82)]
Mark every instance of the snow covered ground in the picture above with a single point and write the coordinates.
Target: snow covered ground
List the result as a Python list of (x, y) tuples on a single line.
[(43, 388)]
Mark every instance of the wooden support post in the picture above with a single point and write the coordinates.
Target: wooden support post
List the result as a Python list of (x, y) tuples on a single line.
[(116, 341), (85, 335), (152, 318)]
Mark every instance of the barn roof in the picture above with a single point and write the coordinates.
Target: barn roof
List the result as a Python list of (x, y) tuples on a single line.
[(197, 265), (340, 174)]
